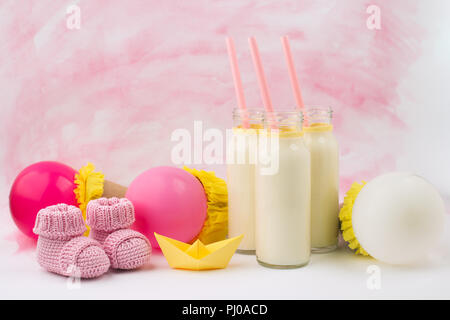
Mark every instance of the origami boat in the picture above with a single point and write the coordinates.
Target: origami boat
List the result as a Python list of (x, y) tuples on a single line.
[(197, 256)]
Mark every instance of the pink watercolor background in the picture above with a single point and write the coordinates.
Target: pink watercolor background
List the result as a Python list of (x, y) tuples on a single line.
[(113, 91)]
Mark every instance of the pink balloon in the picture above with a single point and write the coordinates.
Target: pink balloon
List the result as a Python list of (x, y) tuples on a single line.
[(40, 185), (169, 201)]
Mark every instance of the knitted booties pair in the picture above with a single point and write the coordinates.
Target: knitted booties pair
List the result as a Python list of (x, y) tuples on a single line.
[(63, 250)]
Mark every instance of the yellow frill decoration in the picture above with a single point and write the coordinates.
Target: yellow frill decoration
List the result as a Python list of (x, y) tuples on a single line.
[(89, 187), (216, 223), (345, 215)]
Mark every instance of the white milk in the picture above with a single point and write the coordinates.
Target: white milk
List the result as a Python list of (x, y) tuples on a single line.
[(241, 194), (241, 160), (283, 206), (324, 151)]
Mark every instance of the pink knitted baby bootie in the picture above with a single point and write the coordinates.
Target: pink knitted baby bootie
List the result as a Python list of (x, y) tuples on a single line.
[(109, 220), (62, 249)]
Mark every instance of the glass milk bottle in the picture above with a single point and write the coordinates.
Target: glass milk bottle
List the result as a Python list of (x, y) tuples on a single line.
[(241, 160), (324, 151), (283, 193)]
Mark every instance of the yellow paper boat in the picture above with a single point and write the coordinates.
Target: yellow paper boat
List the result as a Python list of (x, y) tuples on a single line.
[(197, 256)]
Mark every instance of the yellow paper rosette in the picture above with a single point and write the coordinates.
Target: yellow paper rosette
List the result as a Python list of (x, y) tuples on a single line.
[(345, 216), (216, 224), (89, 186)]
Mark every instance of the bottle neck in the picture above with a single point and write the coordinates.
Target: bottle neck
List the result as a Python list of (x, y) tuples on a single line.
[(318, 119), (248, 119), (284, 121), (319, 115)]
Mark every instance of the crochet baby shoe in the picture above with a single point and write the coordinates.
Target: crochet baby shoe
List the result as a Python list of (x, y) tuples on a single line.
[(62, 249), (109, 220)]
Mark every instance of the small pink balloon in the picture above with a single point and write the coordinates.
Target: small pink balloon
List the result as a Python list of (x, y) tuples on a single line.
[(169, 201), (40, 185)]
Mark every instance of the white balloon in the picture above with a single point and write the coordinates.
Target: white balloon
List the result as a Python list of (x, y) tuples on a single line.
[(398, 217)]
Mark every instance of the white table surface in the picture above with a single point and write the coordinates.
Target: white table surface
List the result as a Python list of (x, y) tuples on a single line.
[(337, 275)]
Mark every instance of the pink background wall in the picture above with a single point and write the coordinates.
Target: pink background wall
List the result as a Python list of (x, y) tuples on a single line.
[(113, 91)]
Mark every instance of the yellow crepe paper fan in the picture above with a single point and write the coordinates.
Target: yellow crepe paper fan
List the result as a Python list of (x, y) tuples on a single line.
[(345, 215), (89, 186), (216, 224)]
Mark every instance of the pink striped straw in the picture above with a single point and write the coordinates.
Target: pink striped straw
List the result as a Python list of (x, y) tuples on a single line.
[(239, 89), (293, 75), (262, 81)]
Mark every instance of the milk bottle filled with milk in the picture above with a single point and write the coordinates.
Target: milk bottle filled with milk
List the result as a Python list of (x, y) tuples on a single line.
[(324, 151), (241, 161), (282, 184)]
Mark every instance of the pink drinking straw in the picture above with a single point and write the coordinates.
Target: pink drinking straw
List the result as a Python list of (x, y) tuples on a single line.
[(262, 81), (293, 76), (237, 81)]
